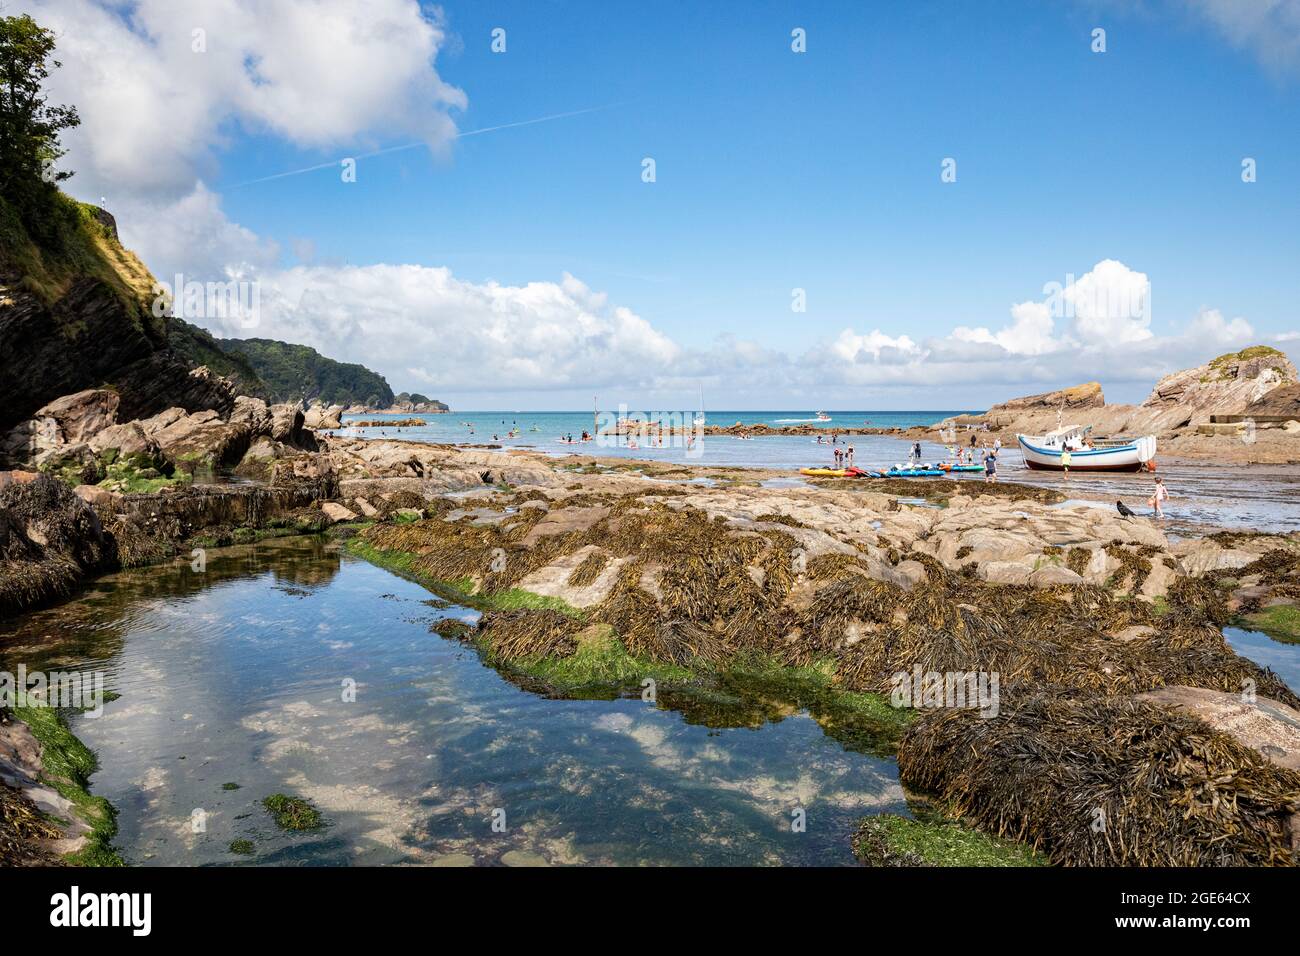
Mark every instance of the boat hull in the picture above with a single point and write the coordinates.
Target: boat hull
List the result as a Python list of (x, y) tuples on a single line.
[(1136, 455)]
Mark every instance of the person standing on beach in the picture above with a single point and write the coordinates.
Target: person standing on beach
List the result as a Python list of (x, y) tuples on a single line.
[(848, 457), (1159, 495), (1065, 462), (990, 468)]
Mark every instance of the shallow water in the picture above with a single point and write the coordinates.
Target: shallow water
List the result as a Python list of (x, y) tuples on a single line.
[(236, 674), (1201, 494), (1283, 657)]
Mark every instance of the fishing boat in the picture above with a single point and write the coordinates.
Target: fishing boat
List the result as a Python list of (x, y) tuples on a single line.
[(1043, 452), (823, 417)]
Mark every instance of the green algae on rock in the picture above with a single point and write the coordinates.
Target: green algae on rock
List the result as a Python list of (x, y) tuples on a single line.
[(888, 839), (292, 813)]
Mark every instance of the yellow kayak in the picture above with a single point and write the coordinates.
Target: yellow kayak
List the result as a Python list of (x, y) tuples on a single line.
[(829, 472)]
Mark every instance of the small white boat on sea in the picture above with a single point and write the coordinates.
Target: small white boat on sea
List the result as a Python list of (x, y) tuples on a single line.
[(1043, 452), (821, 417)]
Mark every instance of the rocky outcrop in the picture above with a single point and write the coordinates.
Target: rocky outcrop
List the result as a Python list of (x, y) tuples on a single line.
[(1227, 385), (319, 416), (90, 337), (69, 420), (1077, 397), (1239, 383), (49, 540), (1283, 401)]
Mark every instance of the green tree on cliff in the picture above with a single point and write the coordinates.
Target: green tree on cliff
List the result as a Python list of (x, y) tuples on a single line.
[(29, 125)]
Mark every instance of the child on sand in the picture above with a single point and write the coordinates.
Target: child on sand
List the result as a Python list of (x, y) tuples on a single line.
[(1065, 462)]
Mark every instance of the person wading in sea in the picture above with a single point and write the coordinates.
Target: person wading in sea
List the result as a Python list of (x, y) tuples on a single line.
[(1065, 462)]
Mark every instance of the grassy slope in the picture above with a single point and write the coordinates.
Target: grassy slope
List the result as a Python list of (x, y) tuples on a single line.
[(85, 248)]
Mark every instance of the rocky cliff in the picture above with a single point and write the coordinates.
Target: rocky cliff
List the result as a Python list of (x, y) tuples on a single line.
[(78, 315)]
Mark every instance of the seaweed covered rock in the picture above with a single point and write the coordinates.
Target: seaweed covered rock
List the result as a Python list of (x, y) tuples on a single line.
[(49, 540), (1097, 781)]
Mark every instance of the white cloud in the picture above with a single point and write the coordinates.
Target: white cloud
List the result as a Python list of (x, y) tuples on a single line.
[(156, 114), (1030, 331), (1209, 326), (1111, 305), (191, 235), (422, 323), (425, 328), (882, 348), (1268, 28)]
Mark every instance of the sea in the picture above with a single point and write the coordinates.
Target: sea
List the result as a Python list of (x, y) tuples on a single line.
[(547, 432)]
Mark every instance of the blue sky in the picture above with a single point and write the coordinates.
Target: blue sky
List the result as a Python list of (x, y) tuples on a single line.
[(819, 171)]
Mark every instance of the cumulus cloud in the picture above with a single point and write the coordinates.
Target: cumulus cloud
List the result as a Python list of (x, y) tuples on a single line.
[(162, 87), (423, 327), (1210, 326), (1109, 305), (422, 324)]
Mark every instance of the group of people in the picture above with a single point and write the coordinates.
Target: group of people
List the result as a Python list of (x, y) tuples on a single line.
[(844, 457)]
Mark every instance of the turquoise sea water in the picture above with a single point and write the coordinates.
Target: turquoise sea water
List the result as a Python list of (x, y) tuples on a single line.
[(1202, 493), (544, 431)]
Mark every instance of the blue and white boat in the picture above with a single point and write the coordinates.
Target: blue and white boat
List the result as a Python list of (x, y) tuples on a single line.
[(1044, 452)]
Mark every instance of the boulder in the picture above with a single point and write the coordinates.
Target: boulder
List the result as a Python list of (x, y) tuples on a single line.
[(553, 579), (254, 413), (1050, 575), (70, 419), (128, 440), (1270, 727), (563, 521), (96, 496), (202, 438), (321, 417), (1201, 556), (287, 423), (81, 414), (1005, 572), (337, 512)]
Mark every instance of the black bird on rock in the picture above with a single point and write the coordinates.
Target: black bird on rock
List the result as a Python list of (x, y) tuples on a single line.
[(1124, 509)]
